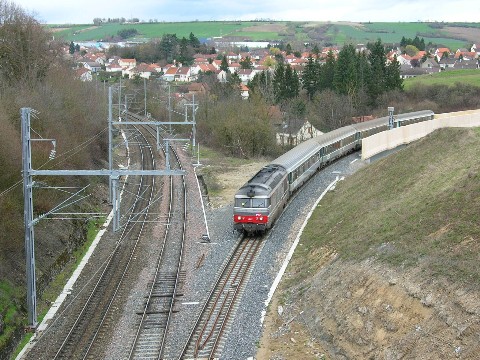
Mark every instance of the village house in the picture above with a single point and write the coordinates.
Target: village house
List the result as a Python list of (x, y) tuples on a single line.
[(441, 52), (143, 70), (448, 62), (169, 74), (222, 76), (183, 74), (127, 63), (113, 67), (234, 67), (476, 49), (296, 131), (244, 91), (245, 75), (92, 66), (429, 63), (83, 74), (197, 88)]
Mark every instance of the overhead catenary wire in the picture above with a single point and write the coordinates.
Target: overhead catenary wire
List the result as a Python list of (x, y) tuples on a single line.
[(79, 147)]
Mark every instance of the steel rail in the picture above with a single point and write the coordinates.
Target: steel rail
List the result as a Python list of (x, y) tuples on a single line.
[(159, 264), (193, 344), (138, 237), (101, 278)]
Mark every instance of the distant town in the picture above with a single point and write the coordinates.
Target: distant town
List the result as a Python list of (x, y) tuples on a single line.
[(91, 58)]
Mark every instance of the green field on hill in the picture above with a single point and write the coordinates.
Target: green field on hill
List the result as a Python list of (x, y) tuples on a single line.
[(450, 35), (445, 78), (392, 33), (408, 213)]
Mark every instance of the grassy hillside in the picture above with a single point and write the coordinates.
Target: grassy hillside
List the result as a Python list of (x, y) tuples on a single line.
[(157, 30), (406, 213), (392, 33), (450, 35), (445, 78)]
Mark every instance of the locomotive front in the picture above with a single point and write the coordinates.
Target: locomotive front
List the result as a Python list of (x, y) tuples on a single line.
[(260, 200), (251, 208)]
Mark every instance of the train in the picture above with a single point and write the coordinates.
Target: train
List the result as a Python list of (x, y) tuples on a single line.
[(261, 200)]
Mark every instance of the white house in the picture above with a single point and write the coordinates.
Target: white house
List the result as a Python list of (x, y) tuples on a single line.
[(83, 74), (245, 75), (127, 63), (295, 132), (92, 66), (244, 91), (169, 74)]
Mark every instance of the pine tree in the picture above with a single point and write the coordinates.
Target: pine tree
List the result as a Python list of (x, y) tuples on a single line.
[(224, 64), (327, 73), (193, 41), (185, 57), (310, 77), (344, 78), (291, 84), (278, 82), (377, 60), (393, 80)]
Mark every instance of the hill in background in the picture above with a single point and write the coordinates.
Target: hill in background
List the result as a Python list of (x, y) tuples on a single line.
[(452, 35), (388, 266)]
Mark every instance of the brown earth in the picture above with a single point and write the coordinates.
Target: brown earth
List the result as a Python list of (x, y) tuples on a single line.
[(358, 311), (229, 180), (57, 29), (469, 34), (265, 28)]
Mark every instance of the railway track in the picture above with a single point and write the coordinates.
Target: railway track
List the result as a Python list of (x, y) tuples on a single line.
[(90, 320), (207, 337), (150, 336), (92, 314)]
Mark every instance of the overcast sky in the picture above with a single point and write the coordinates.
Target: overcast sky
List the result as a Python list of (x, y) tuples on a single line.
[(83, 12)]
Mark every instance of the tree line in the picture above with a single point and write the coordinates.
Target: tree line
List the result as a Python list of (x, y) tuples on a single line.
[(166, 50), (360, 76)]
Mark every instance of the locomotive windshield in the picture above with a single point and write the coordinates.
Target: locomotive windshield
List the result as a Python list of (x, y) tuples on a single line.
[(259, 203), (245, 203), (251, 202)]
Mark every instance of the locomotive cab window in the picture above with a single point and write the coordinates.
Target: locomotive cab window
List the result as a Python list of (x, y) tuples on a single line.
[(245, 203), (259, 203)]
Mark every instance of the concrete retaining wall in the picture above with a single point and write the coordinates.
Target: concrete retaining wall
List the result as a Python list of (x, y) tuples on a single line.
[(390, 139)]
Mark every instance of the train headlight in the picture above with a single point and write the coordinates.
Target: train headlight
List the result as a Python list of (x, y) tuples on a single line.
[(260, 218), (239, 218)]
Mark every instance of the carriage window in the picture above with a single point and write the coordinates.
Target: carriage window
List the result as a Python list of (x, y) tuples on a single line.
[(259, 203), (245, 203)]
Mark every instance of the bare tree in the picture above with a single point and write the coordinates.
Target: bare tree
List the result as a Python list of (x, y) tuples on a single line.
[(25, 49)]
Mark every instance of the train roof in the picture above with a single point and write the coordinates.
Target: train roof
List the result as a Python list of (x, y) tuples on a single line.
[(298, 153), (366, 125), (371, 124), (264, 181), (335, 135), (413, 114), (296, 156)]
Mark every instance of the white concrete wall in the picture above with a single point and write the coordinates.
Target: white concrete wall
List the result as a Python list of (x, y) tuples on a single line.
[(390, 139)]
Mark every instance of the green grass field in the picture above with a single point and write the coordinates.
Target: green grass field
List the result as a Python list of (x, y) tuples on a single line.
[(445, 78), (157, 30), (338, 33), (391, 33)]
